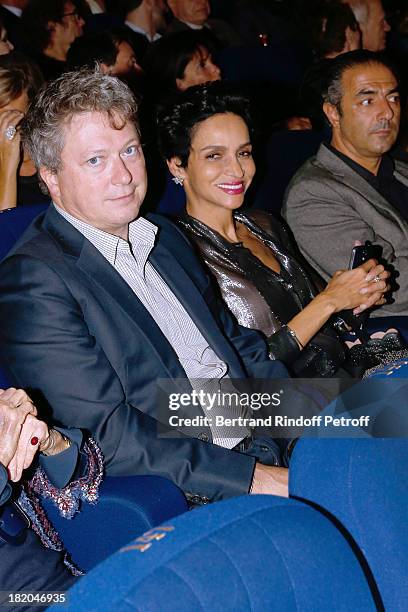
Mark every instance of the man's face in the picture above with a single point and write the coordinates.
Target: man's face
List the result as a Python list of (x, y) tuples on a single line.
[(370, 113), (192, 11), (71, 26), (375, 29), (125, 63), (102, 179)]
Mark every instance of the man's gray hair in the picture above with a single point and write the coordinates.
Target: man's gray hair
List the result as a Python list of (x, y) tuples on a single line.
[(71, 94)]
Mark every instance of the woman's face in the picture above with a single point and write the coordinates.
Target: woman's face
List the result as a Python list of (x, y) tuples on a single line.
[(5, 44), (220, 166), (200, 69)]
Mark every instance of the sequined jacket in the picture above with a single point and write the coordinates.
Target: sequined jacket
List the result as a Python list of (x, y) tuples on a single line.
[(258, 297)]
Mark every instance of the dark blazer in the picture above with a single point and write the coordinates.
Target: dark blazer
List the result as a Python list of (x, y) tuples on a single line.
[(12, 23), (77, 332), (221, 30), (329, 206)]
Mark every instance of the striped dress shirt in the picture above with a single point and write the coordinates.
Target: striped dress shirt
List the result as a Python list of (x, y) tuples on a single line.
[(131, 260)]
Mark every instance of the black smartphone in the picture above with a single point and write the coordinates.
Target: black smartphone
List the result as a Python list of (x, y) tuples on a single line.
[(361, 254)]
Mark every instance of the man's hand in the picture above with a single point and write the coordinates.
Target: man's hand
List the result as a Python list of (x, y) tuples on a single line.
[(15, 405), (270, 480)]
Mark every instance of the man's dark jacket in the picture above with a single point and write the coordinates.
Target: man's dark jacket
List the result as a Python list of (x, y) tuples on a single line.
[(72, 328), (12, 23)]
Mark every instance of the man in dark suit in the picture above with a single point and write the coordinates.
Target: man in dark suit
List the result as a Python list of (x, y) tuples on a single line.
[(101, 303), (10, 15), (195, 14), (353, 190)]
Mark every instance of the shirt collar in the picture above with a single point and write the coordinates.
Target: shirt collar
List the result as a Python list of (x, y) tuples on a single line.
[(193, 26), (142, 235), (140, 30), (13, 9)]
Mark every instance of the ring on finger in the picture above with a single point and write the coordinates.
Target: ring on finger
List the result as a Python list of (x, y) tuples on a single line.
[(376, 279), (10, 132)]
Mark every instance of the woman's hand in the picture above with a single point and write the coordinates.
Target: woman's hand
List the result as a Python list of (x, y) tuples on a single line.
[(348, 289), (33, 433), (10, 155), (35, 436), (22, 434), (358, 289), (15, 405)]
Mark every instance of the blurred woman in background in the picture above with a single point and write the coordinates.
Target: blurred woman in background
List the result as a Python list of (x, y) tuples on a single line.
[(178, 61), (174, 63), (20, 79)]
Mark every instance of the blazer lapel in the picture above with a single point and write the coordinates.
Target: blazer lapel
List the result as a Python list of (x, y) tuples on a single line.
[(110, 282), (401, 172), (338, 167)]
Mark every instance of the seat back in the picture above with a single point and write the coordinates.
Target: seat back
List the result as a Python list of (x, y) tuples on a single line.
[(248, 553), (363, 483), (127, 507), (13, 222), (286, 152)]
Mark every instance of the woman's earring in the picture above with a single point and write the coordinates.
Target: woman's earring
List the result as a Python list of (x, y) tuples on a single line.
[(178, 180)]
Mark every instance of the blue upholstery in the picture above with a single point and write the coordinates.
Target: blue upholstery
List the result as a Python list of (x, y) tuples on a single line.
[(173, 200), (248, 553), (364, 484), (286, 151), (127, 507), (375, 324), (13, 222), (396, 369)]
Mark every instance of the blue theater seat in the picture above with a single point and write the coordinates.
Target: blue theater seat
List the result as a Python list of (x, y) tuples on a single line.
[(258, 553), (286, 152), (127, 507), (13, 222), (363, 483)]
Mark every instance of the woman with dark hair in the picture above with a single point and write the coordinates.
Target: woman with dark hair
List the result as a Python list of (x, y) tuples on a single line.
[(174, 63), (20, 79), (178, 61), (205, 136)]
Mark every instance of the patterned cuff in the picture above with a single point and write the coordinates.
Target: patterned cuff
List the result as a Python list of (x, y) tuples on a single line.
[(84, 488)]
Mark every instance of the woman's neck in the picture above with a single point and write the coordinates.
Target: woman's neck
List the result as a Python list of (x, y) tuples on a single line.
[(222, 221), (27, 167)]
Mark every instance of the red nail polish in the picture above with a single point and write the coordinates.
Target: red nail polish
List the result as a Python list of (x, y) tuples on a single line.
[(34, 440)]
